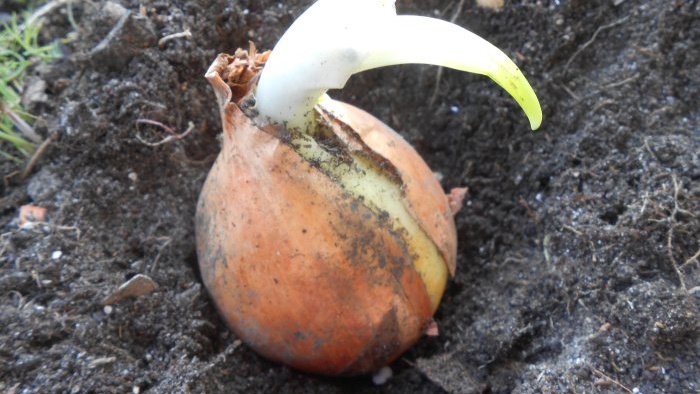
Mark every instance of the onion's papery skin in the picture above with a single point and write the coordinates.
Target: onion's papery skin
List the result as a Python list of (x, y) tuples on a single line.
[(301, 270)]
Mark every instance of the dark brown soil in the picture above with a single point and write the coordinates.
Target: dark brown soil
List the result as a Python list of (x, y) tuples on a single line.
[(578, 262)]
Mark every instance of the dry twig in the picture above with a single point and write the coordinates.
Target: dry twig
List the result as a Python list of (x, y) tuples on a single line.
[(38, 153), (44, 10), (20, 124), (669, 238), (694, 258), (592, 40), (186, 34), (608, 378), (438, 75), (173, 134)]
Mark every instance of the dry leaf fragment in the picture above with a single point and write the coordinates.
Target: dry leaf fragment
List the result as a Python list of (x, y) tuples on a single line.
[(492, 4), (135, 287), (31, 214), (456, 198)]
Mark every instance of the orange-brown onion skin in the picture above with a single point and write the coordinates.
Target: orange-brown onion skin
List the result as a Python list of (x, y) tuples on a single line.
[(299, 269)]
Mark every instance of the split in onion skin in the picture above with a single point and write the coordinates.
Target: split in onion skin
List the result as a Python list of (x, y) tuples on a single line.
[(324, 239), (303, 271)]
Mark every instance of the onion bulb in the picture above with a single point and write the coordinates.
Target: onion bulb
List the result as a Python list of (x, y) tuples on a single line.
[(323, 238)]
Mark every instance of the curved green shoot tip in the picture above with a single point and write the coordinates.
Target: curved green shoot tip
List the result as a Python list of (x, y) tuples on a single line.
[(334, 39)]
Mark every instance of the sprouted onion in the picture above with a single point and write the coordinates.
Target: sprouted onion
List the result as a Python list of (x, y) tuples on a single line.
[(323, 238)]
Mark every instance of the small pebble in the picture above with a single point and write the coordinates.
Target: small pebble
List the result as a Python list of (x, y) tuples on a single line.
[(56, 255), (382, 376)]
